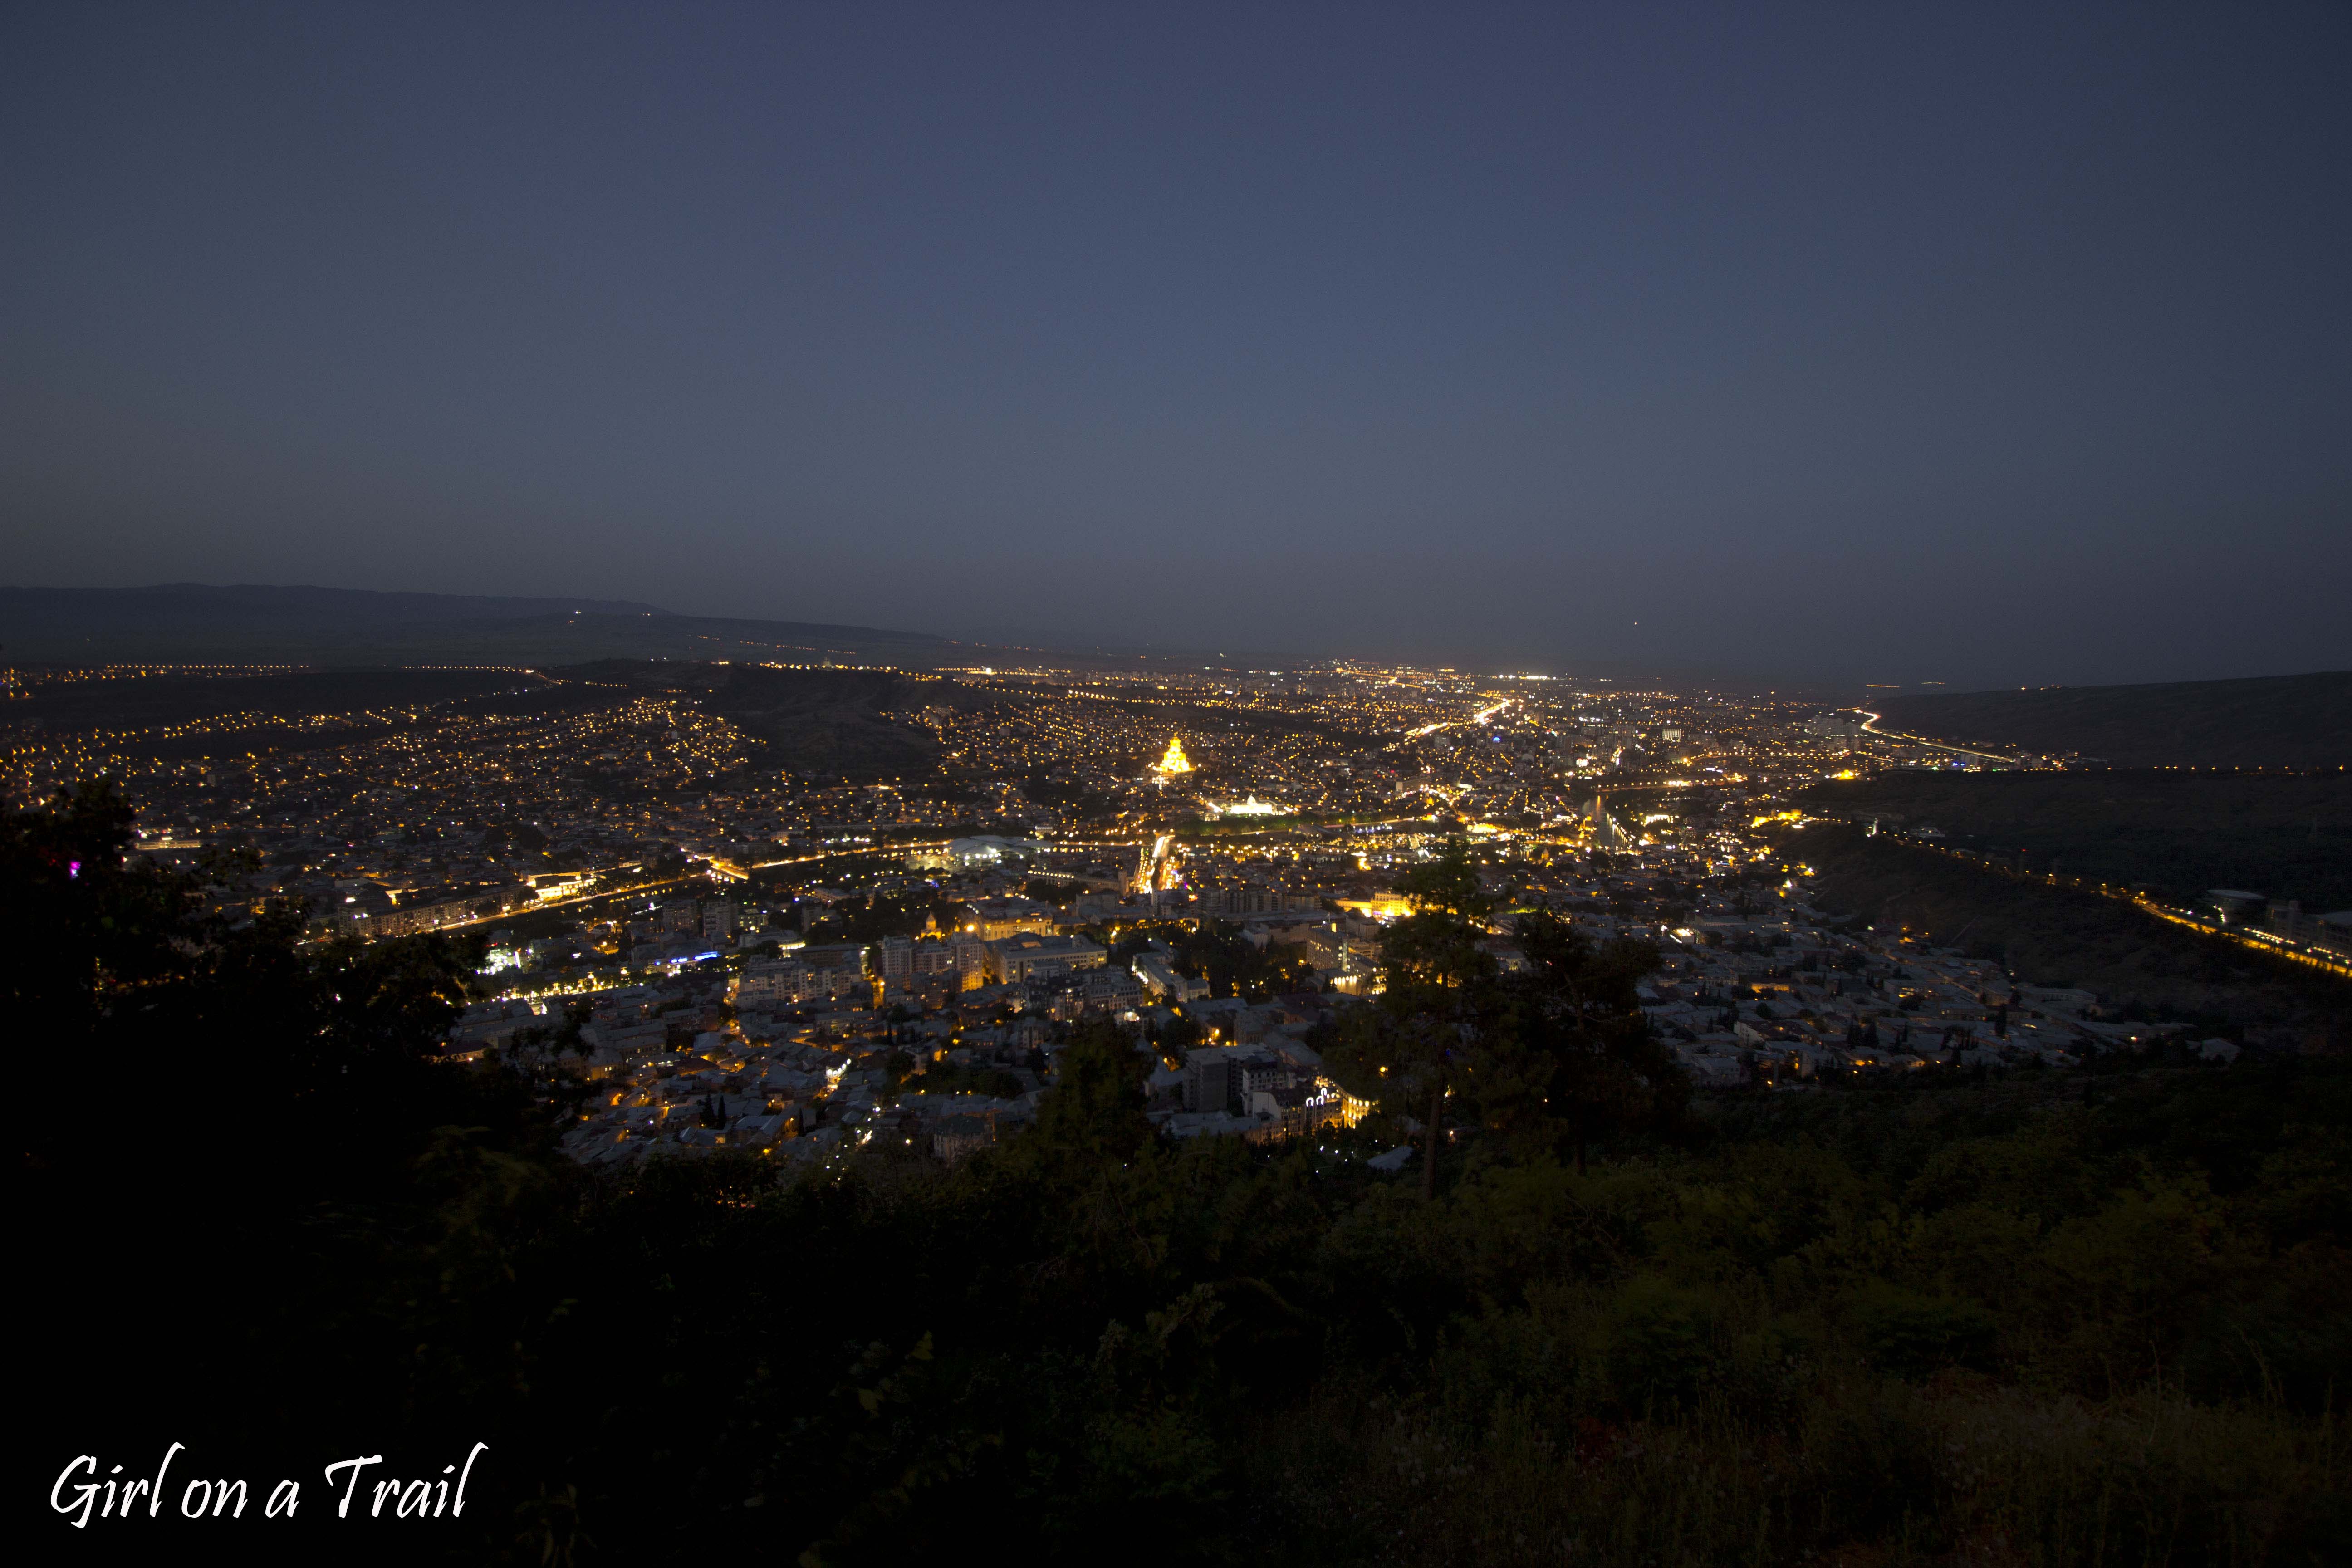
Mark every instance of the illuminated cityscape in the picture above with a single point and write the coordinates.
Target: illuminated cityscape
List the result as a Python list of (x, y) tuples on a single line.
[(1180, 787), (636, 853)]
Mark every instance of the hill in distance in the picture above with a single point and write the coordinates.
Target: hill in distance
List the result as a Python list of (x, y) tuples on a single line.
[(2269, 721), (2288, 836), (194, 622), (849, 723)]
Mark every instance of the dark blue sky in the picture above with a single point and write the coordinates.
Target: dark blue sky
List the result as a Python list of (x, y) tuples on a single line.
[(1967, 343)]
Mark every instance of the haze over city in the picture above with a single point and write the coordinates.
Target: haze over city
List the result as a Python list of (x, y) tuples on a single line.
[(1995, 346)]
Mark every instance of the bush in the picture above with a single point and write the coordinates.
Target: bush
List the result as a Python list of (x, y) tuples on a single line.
[(1911, 1335)]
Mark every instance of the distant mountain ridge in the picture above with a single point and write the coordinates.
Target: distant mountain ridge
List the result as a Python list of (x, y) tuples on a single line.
[(195, 623), (2277, 721), (193, 600)]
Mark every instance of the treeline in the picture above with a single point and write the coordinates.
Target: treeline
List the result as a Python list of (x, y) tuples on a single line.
[(2047, 1319)]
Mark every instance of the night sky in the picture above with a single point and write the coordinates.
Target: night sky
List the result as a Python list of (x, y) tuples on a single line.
[(1966, 343)]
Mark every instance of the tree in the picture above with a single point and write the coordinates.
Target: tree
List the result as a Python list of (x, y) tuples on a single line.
[(1439, 980), (1094, 1113), (81, 923), (1599, 1066), (312, 1198)]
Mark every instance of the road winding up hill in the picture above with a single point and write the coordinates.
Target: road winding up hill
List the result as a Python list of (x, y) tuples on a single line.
[(2062, 936)]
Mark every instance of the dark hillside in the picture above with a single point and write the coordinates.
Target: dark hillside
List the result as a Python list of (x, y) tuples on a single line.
[(857, 725), (2058, 936), (2283, 721), (2285, 835)]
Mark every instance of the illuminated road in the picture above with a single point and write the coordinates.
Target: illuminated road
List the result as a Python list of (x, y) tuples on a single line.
[(1871, 727), (739, 873), (2257, 941), (1480, 717), (724, 870), (2251, 940)]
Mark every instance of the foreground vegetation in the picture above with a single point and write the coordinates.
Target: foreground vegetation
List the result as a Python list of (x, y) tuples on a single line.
[(2082, 1317)]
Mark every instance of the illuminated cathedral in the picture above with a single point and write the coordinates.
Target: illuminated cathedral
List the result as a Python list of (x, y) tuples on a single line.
[(1175, 761)]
